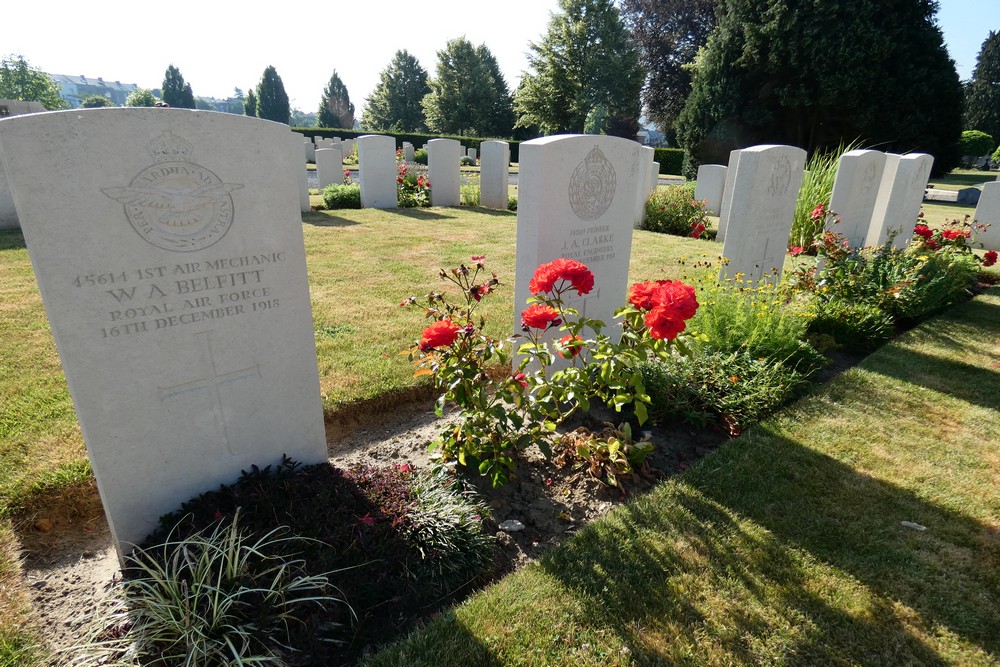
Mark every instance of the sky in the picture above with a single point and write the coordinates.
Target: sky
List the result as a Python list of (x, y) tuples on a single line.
[(218, 45)]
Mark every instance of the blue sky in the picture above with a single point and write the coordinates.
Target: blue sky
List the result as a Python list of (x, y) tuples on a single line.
[(220, 44)]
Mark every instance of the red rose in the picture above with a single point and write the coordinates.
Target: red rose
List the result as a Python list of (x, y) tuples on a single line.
[(521, 379), (818, 212), (923, 230), (990, 258), (640, 295), (795, 250), (676, 296), (540, 316), (663, 323), (952, 234), (567, 347), (440, 334), (697, 229), (547, 275)]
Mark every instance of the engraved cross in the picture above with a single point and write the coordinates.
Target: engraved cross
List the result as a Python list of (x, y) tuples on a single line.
[(213, 381)]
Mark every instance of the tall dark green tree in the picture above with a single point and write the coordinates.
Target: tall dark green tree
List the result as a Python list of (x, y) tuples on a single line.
[(982, 101), (272, 100), (250, 103), (585, 59), (335, 108), (669, 34), (815, 74), (501, 117), (395, 104), (467, 94), (21, 81), (175, 91)]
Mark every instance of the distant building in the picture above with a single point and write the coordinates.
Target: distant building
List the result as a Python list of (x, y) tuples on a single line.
[(75, 89)]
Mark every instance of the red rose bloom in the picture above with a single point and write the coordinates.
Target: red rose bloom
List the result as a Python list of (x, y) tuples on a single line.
[(640, 295), (440, 334), (663, 323), (521, 379), (539, 316), (697, 228), (952, 234), (567, 347), (990, 258), (795, 250), (547, 275), (677, 296), (818, 212), (923, 230)]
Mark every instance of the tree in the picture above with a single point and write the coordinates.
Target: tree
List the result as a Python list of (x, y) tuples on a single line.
[(250, 103), (395, 104), (96, 101), (500, 119), (467, 95), (335, 108), (272, 101), (586, 58), (141, 97), (20, 81), (204, 105), (669, 34), (174, 91), (774, 71), (982, 102)]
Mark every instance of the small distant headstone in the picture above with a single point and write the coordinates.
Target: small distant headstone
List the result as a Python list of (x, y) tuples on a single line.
[(377, 167), (329, 167), (727, 195), (172, 270), (855, 190), (8, 215), (763, 204), (898, 203), (443, 168), (407, 151), (472, 153), (310, 149), (576, 199), (988, 213), (642, 194), (348, 147), (494, 181), (302, 178), (710, 186)]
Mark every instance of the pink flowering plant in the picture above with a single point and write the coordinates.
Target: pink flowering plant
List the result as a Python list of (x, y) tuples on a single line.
[(564, 361), (412, 189)]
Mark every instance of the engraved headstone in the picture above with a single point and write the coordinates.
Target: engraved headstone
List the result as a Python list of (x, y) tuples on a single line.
[(727, 195), (377, 167), (763, 204), (710, 186), (172, 270), (901, 191), (988, 213), (855, 190), (407, 151), (329, 167), (302, 178), (493, 177), (443, 168), (576, 199), (310, 149), (349, 147)]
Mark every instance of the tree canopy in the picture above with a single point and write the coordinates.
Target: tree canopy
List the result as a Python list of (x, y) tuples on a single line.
[(586, 58), (96, 101), (815, 74), (141, 97), (396, 103), (468, 93), (20, 81), (982, 101), (250, 103), (335, 108), (272, 100), (669, 34), (175, 91)]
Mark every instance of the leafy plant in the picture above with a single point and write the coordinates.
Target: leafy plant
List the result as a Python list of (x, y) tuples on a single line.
[(674, 210), (337, 196), (412, 189), (511, 203), (471, 190), (611, 456), (816, 189), (467, 161), (857, 327), (420, 156)]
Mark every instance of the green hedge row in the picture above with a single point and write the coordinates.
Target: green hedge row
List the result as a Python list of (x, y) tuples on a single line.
[(417, 140), (671, 160)]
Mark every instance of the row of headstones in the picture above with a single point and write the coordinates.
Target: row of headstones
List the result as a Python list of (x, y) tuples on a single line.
[(875, 195)]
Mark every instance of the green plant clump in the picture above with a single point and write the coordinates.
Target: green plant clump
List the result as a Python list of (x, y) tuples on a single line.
[(466, 161), (337, 196), (816, 188), (856, 327), (420, 156), (512, 203), (674, 210)]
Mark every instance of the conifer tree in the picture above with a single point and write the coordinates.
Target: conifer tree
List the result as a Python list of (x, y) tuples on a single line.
[(982, 101), (250, 103), (272, 100), (175, 91), (335, 108), (395, 104)]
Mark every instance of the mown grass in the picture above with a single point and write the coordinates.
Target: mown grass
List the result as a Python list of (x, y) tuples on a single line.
[(963, 178), (786, 546)]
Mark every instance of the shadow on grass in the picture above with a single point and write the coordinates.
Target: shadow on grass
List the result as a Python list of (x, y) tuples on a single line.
[(968, 180), (972, 384), (11, 240), (706, 563), (326, 219), (495, 212)]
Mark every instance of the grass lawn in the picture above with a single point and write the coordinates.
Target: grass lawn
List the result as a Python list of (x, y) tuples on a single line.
[(963, 178)]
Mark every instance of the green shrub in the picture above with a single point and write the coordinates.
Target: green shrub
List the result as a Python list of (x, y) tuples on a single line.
[(996, 155), (733, 390), (975, 143), (470, 192), (420, 156), (466, 161), (674, 210), (671, 160), (512, 203), (412, 189), (342, 196), (857, 327)]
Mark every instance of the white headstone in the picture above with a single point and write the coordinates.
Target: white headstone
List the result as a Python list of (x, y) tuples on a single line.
[(329, 167), (763, 204), (309, 148), (901, 191), (348, 147), (855, 190), (727, 195), (494, 181), (988, 213), (407, 151), (654, 177), (377, 167), (302, 178), (710, 186), (576, 199), (642, 195), (172, 270), (443, 168), (8, 215), (317, 140), (472, 153)]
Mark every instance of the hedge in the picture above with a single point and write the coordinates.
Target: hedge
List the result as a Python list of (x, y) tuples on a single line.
[(671, 160)]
